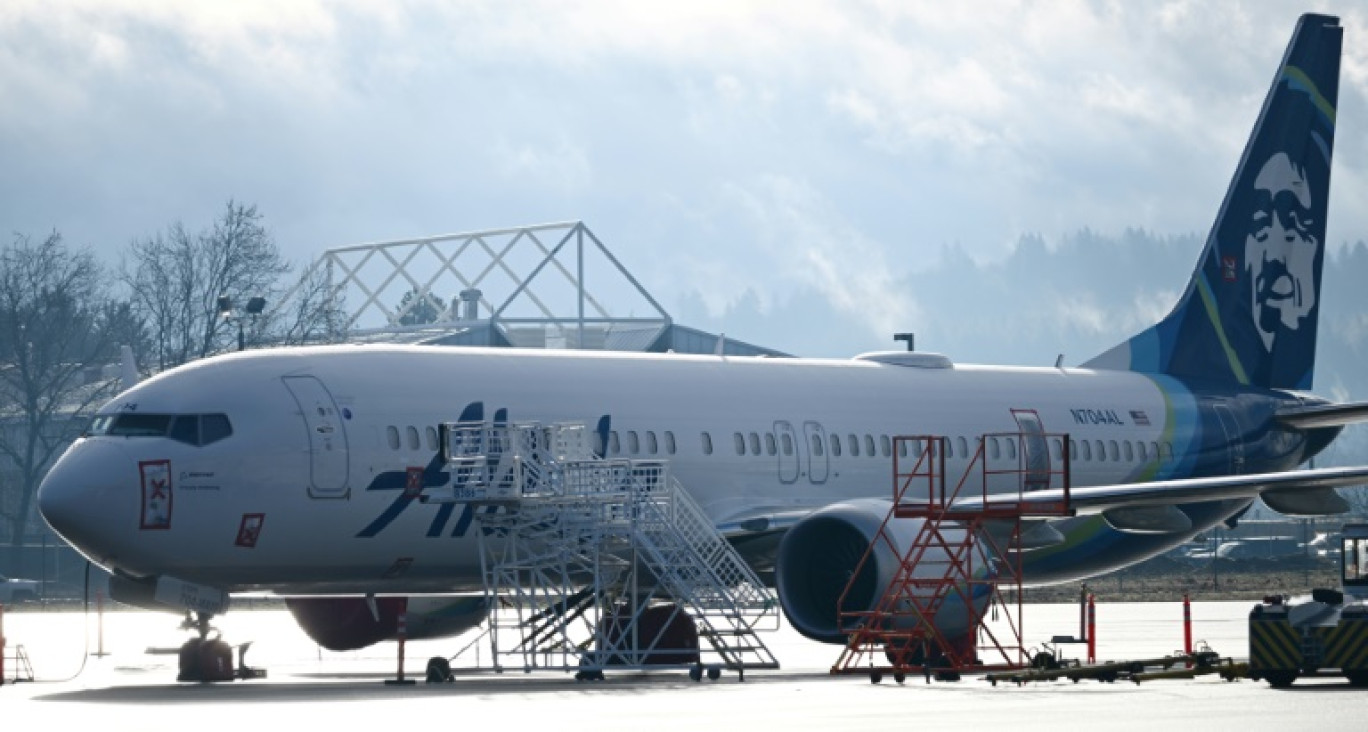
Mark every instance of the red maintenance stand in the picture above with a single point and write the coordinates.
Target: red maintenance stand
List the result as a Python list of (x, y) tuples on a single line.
[(949, 554)]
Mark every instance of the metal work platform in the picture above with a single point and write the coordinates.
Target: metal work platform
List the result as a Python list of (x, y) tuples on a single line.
[(594, 564), (953, 562)]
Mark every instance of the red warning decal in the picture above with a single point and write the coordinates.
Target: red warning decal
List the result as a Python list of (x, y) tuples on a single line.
[(250, 529), (413, 486), (156, 494)]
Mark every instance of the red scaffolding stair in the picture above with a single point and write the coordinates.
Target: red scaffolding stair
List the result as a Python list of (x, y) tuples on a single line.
[(930, 616)]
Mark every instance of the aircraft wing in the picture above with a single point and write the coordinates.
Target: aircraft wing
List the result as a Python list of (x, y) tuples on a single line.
[(1151, 507), (1323, 415)]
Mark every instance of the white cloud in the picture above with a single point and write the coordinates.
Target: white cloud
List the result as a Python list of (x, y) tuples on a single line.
[(736, 146), (810, 244)]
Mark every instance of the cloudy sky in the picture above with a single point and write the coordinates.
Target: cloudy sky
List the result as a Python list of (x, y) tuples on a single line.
[(723, 150)]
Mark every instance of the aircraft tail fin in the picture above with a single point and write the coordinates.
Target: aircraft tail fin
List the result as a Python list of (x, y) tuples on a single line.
[(1249, 313), (128, 369)]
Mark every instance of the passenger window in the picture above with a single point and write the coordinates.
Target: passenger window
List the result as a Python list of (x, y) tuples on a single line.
[(1154, 450), (431, 433), (887, 446), (869, 445), (651, 445), (1140, 447), (993, 450), (1166, 450), (1056, 448), (633, 444), (817, 445), (669, 442), (902, 448), (1087, 450), (412, 433), (740, 443), (1101, 451), (707, 442), (1113, 452), (835, 445), (214, 427), (392, 433), (963, 446), (1011, 447), (1130, 454), (854, 443), (186, 429), (614, 447), (786, 442), (754, 443), (770, 448), (949, 447)]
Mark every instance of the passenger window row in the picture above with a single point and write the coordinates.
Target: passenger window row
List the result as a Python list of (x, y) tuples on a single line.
[(212, 427), (409, 439)]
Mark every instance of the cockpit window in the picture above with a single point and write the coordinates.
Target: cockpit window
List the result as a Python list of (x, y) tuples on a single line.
[(214, 427), (140, 425), (191, 429), (186, 429)]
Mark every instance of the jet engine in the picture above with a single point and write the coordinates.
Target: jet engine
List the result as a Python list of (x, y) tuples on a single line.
[(349, 623), (819, 555)]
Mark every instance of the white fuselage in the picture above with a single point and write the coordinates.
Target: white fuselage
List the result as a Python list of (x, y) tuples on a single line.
[(320, 499)]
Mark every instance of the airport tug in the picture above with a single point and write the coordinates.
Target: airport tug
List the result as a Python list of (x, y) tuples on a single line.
[(1326, 635)]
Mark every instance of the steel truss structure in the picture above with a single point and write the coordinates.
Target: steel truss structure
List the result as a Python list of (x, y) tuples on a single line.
[(525, 284)]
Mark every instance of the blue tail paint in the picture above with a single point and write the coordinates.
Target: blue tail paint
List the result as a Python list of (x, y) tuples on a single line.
[(1249, 314)]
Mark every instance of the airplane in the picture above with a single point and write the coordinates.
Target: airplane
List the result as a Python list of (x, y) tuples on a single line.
[(284, 471)]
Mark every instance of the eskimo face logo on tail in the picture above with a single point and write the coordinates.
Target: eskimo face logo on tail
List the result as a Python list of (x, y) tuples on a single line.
[(1280, 249)]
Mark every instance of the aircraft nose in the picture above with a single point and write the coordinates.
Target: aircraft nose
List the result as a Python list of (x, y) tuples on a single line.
[(81, 490)]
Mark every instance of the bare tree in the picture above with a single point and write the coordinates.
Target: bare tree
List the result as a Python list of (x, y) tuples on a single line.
[(177, 278), (55, 332), (310, 312)]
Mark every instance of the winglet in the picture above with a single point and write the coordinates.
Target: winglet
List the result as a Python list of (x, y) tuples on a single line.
[(128, 368)]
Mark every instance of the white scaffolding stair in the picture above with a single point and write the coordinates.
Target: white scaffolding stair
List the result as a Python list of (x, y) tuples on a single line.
[(594, 563)]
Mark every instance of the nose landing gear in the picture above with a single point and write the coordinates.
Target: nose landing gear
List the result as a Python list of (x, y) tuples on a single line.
[(206, 659)]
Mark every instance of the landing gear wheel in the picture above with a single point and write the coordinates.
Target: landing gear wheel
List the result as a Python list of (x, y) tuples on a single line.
[(438, 670), (696, 673), (202, 659), (900, 677), (714, 673), (875, 677)]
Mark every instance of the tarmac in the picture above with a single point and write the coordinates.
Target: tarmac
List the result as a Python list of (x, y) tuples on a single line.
[(132, 687)]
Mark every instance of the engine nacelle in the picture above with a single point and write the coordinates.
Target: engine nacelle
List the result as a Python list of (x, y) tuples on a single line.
[(347, 623), (818, 556)]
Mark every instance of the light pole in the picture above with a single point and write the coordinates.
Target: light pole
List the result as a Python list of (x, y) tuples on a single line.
[(254, 307)]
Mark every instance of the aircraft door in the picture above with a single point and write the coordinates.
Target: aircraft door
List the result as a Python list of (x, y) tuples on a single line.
[(1234, 445), (814, 438), (788, 451), (1035, 450), (327, 436)]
